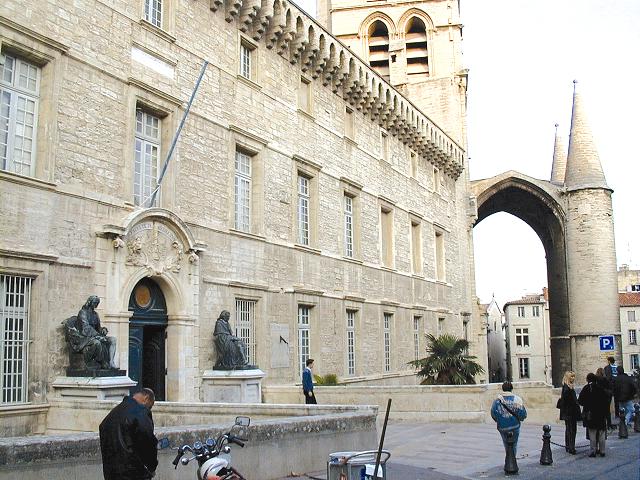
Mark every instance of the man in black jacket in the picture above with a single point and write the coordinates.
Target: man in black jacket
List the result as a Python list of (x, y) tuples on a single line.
[(129, 447), (624, 390)]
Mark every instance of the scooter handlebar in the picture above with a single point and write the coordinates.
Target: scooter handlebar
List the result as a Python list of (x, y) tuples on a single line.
[(178, 457), (237, 440)]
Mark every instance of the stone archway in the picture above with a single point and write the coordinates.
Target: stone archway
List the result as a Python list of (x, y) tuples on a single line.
[(563, 223)]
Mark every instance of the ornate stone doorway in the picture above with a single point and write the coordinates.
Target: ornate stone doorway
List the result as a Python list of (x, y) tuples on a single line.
[(147, 334)]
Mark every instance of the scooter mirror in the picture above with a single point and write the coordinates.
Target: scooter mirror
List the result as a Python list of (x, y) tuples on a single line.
[(163, 443), (243, 421)]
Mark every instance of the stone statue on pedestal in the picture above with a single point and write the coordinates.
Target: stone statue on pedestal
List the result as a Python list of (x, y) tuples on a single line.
[(91, 350), (231, 351)]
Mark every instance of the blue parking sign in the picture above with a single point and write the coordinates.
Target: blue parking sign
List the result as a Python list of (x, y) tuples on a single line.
[(607, 343)]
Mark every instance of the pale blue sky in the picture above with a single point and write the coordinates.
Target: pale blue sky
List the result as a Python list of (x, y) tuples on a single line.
[(523, 56)]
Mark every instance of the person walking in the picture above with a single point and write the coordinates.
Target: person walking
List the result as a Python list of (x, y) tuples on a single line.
[(127, 443), (611, 372), (594, 414), (307, 383), (569, 411), (624, 390), (508, 411)]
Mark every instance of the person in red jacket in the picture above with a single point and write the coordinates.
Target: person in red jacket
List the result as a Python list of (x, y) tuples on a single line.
[(127, 443)]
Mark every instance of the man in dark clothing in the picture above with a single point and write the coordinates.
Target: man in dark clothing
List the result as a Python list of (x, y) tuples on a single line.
[(610, 373), (624, 390), (129, 447)]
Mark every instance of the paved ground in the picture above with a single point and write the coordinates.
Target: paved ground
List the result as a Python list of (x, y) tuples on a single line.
[(474, 451)]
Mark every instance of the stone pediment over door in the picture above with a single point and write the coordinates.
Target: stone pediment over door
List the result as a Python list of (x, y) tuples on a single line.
[(156, 239)]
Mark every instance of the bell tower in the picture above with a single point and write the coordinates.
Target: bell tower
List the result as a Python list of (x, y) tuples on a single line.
[(415, 46)]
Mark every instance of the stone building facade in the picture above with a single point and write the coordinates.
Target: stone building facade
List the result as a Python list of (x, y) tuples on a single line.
[(491, 315), (306, 195), (527, 339)]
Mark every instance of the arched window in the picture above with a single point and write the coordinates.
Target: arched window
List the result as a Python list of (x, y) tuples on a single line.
[(379, 48), (416, 45)]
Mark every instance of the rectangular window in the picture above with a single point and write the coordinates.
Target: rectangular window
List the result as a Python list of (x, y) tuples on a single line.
[(635, 361), (386, 227), (535, 310), (523, 364), (440, 257), (15, 298), (153, 12), (416, 337), (243, 192), (632, 337), (246, 59), (19, 90), (351, 342), (304, 204), (349, 129), (388, 318), (413, 163), (384, 146), (245, 326), (303, 336), (437, 180), (635, 288), (631, 315), (521, 312), (416, 247), (304, 95), (348, 226), (440, 326), (147, 147), (522, 337)]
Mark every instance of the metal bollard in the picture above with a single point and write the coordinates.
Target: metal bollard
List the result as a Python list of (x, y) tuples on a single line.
[(546, 458), (622, 425), (636, 418), (510, 463)]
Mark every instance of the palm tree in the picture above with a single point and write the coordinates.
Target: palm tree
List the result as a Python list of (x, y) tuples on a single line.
[(447, 362)]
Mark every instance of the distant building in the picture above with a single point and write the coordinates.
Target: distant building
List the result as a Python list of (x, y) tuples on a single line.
[(628, 280), (528, 348), (491, 316), (629, 317)]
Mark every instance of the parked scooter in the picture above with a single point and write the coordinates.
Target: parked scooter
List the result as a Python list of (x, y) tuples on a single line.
[(214, 455)]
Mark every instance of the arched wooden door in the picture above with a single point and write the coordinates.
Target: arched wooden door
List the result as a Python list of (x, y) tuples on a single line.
[(147, 335)]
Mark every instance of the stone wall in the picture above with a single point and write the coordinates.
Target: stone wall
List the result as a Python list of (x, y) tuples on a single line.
[(431, 403), (274, 449)]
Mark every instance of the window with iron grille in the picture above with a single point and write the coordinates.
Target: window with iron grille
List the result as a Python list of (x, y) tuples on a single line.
[(19, 91), (523, 366), (153, 12), (15, 296), (348, 226), (243, 192), (388, 318), (351, 342), (416, 337), (303, 336), (304, 201), (147, 155), (245, 326)]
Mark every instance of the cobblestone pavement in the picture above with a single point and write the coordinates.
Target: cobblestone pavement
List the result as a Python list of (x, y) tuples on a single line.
[(437, 451)]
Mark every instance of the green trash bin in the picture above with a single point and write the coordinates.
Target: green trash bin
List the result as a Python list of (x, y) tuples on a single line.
[(353, 465)]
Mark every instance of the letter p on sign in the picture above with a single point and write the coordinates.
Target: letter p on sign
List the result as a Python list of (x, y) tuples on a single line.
[(607, 343)]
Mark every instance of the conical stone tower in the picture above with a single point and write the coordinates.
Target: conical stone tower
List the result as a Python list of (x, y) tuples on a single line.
[(590, 244)]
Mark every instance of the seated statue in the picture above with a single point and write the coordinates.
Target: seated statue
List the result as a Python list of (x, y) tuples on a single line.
[(85, 335), (231, 350)]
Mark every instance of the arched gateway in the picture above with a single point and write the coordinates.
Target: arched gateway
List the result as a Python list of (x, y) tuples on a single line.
[(572, 215)]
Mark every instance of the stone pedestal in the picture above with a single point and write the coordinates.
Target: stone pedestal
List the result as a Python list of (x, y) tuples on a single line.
[(232, 386), (99, 388)]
